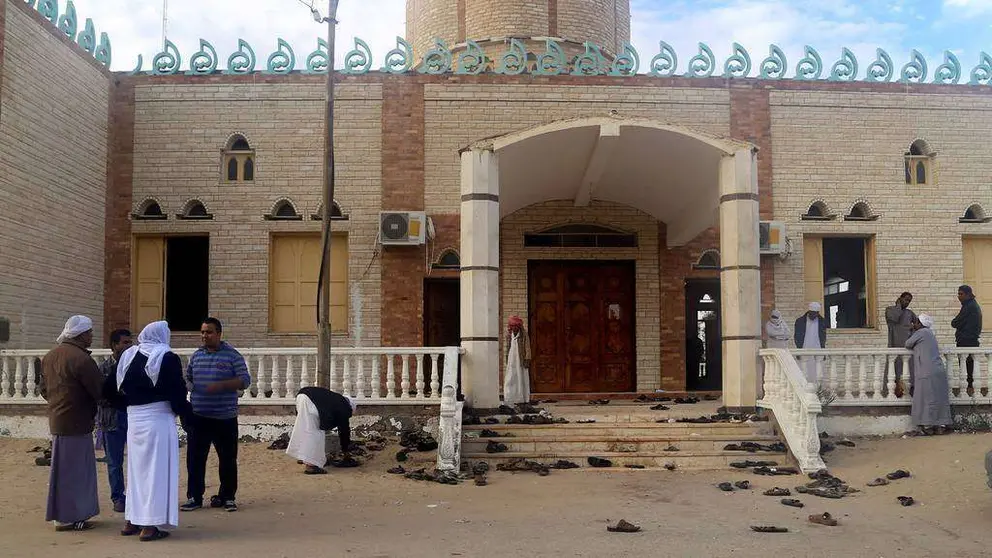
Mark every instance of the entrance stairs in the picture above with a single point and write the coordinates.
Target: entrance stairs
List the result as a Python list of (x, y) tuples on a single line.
[(626, 433)]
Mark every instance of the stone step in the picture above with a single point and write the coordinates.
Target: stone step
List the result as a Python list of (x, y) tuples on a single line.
[(683, 460), (741, 430), (615, 444)]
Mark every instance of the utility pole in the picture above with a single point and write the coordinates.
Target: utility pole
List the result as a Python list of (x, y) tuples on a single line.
[(324, 282)]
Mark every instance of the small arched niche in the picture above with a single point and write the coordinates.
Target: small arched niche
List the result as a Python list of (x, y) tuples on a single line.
[(195, 210), (336, 213), (149, 210), (448, 260), (861, 211), (708, 260), (918, 164), (238, 160), (818, 211), (283, 210), (975, 214)]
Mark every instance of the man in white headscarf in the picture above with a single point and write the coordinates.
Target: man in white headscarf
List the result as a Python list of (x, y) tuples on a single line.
[(811, 333), (72, 384), (777, 331), (931, 400), (318, 410), (150, 383)]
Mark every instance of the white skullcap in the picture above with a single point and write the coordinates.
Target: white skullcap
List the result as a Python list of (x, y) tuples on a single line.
[(776, 314), (815, 307), (926, 320), (74, 327), (351, 402)]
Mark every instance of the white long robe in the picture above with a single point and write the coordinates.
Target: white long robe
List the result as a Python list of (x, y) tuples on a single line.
[(812, 341), (516, 377), (152, 466), (307, 442)]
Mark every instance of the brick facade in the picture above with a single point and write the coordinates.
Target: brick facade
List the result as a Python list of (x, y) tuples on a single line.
[(120, 169)]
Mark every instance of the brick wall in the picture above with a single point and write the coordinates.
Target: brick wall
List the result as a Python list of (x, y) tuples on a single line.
[(602, 22), (505, 18), (117, 238), (53, 170)]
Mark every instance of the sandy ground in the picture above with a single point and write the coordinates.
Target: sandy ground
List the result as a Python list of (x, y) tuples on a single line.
[(365, 512)]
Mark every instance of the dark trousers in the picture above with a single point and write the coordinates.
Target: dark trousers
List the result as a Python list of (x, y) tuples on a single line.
[(970, 362), (113, 447), (222, 434)]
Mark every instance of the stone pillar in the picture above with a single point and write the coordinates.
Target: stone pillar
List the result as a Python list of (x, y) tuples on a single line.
[(480, 278), (740, 278)]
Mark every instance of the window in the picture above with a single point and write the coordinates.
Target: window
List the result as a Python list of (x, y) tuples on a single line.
[(239, 160), (195, 210), (284, 211), (150, 209), (974, 214), (449, 260), (709, 260), (294, 267), (918, 161), (817, 212), (580, 236), (336, 214), (171, 281), (840, 274), (860, 212)]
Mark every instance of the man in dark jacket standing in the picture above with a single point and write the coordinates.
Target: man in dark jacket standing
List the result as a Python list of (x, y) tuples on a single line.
[(967, 324), (112, 422), (811, 333)]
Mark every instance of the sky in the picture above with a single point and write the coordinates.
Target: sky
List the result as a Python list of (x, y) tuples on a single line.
[(931, 26)]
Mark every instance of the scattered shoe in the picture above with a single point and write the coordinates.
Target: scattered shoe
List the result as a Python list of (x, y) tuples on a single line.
[(494, 420), (725, 486), (397, 470), (670, 466), (623, 527), (898, 474), (768, 529), (846, 443), (43, 461), (671, 448), (906, 500), (634, 466), (599, 462), (562, 464), (599, 402), (775, 471), (777, 492), (747, 464), (346, 463), (280, 443), (823, 519), (486, 433), (506, 410), (480, 468), (402, 455), (480, 480), (686, 400), (792, 502), (743, 485), (660, 407), (495, 447), (878, 482), (585, 421)]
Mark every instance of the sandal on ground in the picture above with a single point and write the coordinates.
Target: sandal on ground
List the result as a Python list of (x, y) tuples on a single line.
[(743, 485), (878, 482), (623, 527), (777, 492), (823, 519), (77, 526), (792, 503), (155, 536), (898, 474), (725, 486), (906, 500), (768, 529)]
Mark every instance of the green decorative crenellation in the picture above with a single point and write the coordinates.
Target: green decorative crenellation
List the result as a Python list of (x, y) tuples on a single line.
[(915, 71), (845, 69), (168, 61), (666, 62), (589, 63), (810, 67), (203, 61), (137, 67), (981, 74), (702, 64), (400, 59), (514, 61), (627, 63), (882, 69), (49, 9), (775, 66), (87, 39), (357, 61), (103, 53), (283, 60), (67, 21), (437, 60), (317, 61), (241, 61), (950, 71), (739, 63), (553, 62), (472, 60)]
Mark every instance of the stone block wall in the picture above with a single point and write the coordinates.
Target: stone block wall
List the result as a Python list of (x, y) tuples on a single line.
[(53, 173)]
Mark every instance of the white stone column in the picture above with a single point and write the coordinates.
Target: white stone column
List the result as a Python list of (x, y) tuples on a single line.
[(480, 278), (740, 278)]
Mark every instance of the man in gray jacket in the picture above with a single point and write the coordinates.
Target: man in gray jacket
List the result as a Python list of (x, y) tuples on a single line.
[(900, 321)]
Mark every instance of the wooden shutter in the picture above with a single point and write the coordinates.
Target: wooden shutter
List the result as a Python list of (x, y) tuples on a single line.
[(871, 280), (978, 271), (149, 281), (813, 271), (294, 271), (284, 288), (339, 283)]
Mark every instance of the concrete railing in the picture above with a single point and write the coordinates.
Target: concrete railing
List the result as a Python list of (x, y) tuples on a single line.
[(880, 377), (795, 404)]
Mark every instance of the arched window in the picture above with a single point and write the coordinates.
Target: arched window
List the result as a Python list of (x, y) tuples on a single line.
[(918, 163), (974, 214), (150, 210), (449, 260), (284, 210), (817, 211), (239, 160), (580, 236), (336, 214), (710, 259), (195, 210), (860, 211)]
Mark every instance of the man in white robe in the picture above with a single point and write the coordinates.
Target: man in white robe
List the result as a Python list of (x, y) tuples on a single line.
[(516, 375), (317, 411)]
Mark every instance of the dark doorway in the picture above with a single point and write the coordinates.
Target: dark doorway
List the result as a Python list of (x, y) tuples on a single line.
[(582, 326), (442, 321), (187, 280), (703, 347)]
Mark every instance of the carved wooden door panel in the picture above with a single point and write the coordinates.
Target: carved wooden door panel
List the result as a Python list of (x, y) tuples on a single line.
[(546, 369), (581, 323), (616, 309)]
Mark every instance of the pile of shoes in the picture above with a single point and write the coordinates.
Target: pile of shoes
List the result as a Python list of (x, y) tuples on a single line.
[(45, 459), (280, 443), (825, 485), (441, 477), (524, 465), (418, 440), (754, 447)]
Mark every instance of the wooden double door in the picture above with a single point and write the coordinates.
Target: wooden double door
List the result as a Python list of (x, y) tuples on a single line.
[(582, 326)]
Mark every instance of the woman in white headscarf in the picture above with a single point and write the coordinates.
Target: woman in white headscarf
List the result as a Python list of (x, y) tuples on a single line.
[(150, 382), (777, 331), (931, 394)]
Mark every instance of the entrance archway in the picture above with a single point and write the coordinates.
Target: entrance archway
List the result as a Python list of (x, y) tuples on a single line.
[(688, 180)]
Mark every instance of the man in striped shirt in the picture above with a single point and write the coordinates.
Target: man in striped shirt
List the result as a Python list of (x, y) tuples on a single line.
[(215, 374)]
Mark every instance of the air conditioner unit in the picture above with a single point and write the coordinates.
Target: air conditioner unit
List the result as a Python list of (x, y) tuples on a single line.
[(771, 236), (402, 228)]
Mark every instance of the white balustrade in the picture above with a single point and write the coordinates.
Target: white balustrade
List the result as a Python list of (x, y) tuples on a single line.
[(795, 404), (277, 374)]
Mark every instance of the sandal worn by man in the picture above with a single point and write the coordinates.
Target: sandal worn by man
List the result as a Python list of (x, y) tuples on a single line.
[(77, 526), (311, 470), (156, 535), (130, 530), (823, 519)]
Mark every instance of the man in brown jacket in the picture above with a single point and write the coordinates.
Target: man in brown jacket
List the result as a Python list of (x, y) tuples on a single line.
[(72, 384)]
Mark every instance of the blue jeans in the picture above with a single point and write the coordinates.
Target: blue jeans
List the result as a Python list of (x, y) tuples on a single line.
[(114, 442)]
